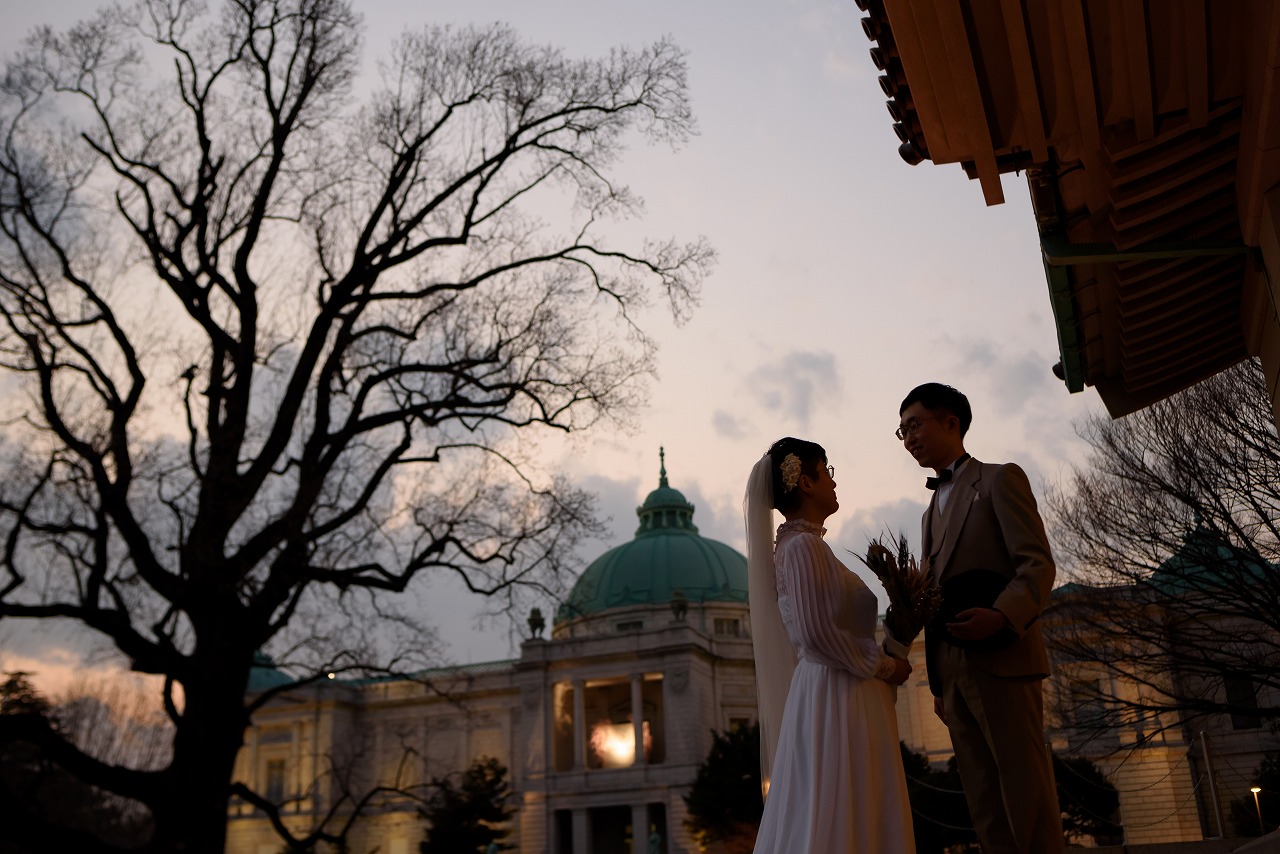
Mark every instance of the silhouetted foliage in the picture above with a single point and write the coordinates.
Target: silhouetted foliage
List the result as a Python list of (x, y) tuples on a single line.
[(725, 801), (465, 816), (1244, 812), (1088, 801), (943, 824), (939, 812), (279, 346), (32, 784)]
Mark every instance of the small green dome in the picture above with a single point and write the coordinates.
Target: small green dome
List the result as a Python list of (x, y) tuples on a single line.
[(264, 675), (667, 555), (1206, 561)]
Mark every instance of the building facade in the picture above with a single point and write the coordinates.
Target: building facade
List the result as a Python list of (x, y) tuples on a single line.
[(1125, 656), (602, 725)]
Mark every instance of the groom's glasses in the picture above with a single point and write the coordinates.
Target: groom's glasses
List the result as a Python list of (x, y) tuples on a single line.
[(831, 472), (911, 428)]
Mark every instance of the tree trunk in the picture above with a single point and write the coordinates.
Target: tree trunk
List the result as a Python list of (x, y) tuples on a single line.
[(191, 809)]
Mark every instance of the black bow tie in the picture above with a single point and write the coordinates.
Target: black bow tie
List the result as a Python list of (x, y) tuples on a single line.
[(945, 475)]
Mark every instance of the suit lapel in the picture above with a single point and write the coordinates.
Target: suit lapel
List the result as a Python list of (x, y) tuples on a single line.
[(964, 491)]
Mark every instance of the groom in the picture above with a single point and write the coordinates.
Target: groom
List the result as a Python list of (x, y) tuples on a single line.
[(986, 659)]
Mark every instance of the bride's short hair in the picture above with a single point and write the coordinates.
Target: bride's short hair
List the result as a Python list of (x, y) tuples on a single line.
[(812, 457)]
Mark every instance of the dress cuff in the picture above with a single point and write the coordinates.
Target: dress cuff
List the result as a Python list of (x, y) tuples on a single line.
[(895, 647), (886, 668)]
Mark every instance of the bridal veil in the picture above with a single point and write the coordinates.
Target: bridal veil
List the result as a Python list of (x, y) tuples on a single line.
[(774, 655)]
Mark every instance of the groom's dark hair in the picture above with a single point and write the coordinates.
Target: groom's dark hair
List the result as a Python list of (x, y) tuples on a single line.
[(935, 397)]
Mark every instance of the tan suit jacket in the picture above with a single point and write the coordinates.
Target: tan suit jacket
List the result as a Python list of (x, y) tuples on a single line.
[(991, 523)]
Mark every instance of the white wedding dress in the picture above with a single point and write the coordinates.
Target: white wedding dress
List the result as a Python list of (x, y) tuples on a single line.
[(837, 784)]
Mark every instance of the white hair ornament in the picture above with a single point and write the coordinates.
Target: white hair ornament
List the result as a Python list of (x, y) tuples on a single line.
[(790, 469)]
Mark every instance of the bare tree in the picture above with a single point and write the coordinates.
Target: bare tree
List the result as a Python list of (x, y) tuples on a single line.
[(276, 340), (1171, 532)]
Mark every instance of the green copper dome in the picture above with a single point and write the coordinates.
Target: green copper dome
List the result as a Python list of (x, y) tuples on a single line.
[(667, 555)]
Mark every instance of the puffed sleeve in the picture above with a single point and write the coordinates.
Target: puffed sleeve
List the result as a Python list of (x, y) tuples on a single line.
[(812, 578)]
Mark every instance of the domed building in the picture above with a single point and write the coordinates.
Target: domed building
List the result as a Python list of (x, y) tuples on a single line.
[(668, 566), (602, 725)]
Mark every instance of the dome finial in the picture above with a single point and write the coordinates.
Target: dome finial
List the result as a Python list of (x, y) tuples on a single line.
[(662, 467)]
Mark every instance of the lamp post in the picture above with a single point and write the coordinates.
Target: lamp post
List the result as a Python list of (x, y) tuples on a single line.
[(1255, 789)]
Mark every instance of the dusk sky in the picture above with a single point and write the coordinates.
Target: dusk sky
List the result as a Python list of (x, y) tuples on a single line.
[(845, 278)]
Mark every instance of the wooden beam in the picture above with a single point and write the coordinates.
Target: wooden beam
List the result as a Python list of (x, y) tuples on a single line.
[(1076, 36), (1025, 79), (1138, 56), (955, 34), (923, 64), (1197, 58), (1058, 251)]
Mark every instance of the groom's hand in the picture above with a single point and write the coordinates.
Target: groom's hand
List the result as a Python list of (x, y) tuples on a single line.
[(975, 624)]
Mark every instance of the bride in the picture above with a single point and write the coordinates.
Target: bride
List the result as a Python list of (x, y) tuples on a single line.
[(828, 732)]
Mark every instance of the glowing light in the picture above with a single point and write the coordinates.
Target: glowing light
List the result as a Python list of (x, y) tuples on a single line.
[(615, 744), (332, 675)]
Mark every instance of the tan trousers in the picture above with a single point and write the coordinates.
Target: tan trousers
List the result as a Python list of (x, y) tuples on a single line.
[(997, 730)]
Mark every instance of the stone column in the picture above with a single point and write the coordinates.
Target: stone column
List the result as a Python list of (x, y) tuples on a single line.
[(251, 768), (295, 765), (322, 727), (581, 832), (639, 828), (579, 728), (637, 715)]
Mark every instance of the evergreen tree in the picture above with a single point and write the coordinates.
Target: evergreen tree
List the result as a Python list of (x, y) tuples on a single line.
[(19, 697), (725, 802), (31, 784), (22, 767), (939, 812), (941, 816), (464, 815), (1088, 801)]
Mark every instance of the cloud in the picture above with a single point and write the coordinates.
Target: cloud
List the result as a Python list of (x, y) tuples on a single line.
[(1017, 397), (716, 521), (55, 669), (843, 66), (891, 518), (55, 652), (616, 503), (792, 385), (1013, 380), (727, 425), (821, 20), (851, 532)]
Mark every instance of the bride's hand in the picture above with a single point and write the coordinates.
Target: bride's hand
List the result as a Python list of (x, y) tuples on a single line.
[(901, 670)]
